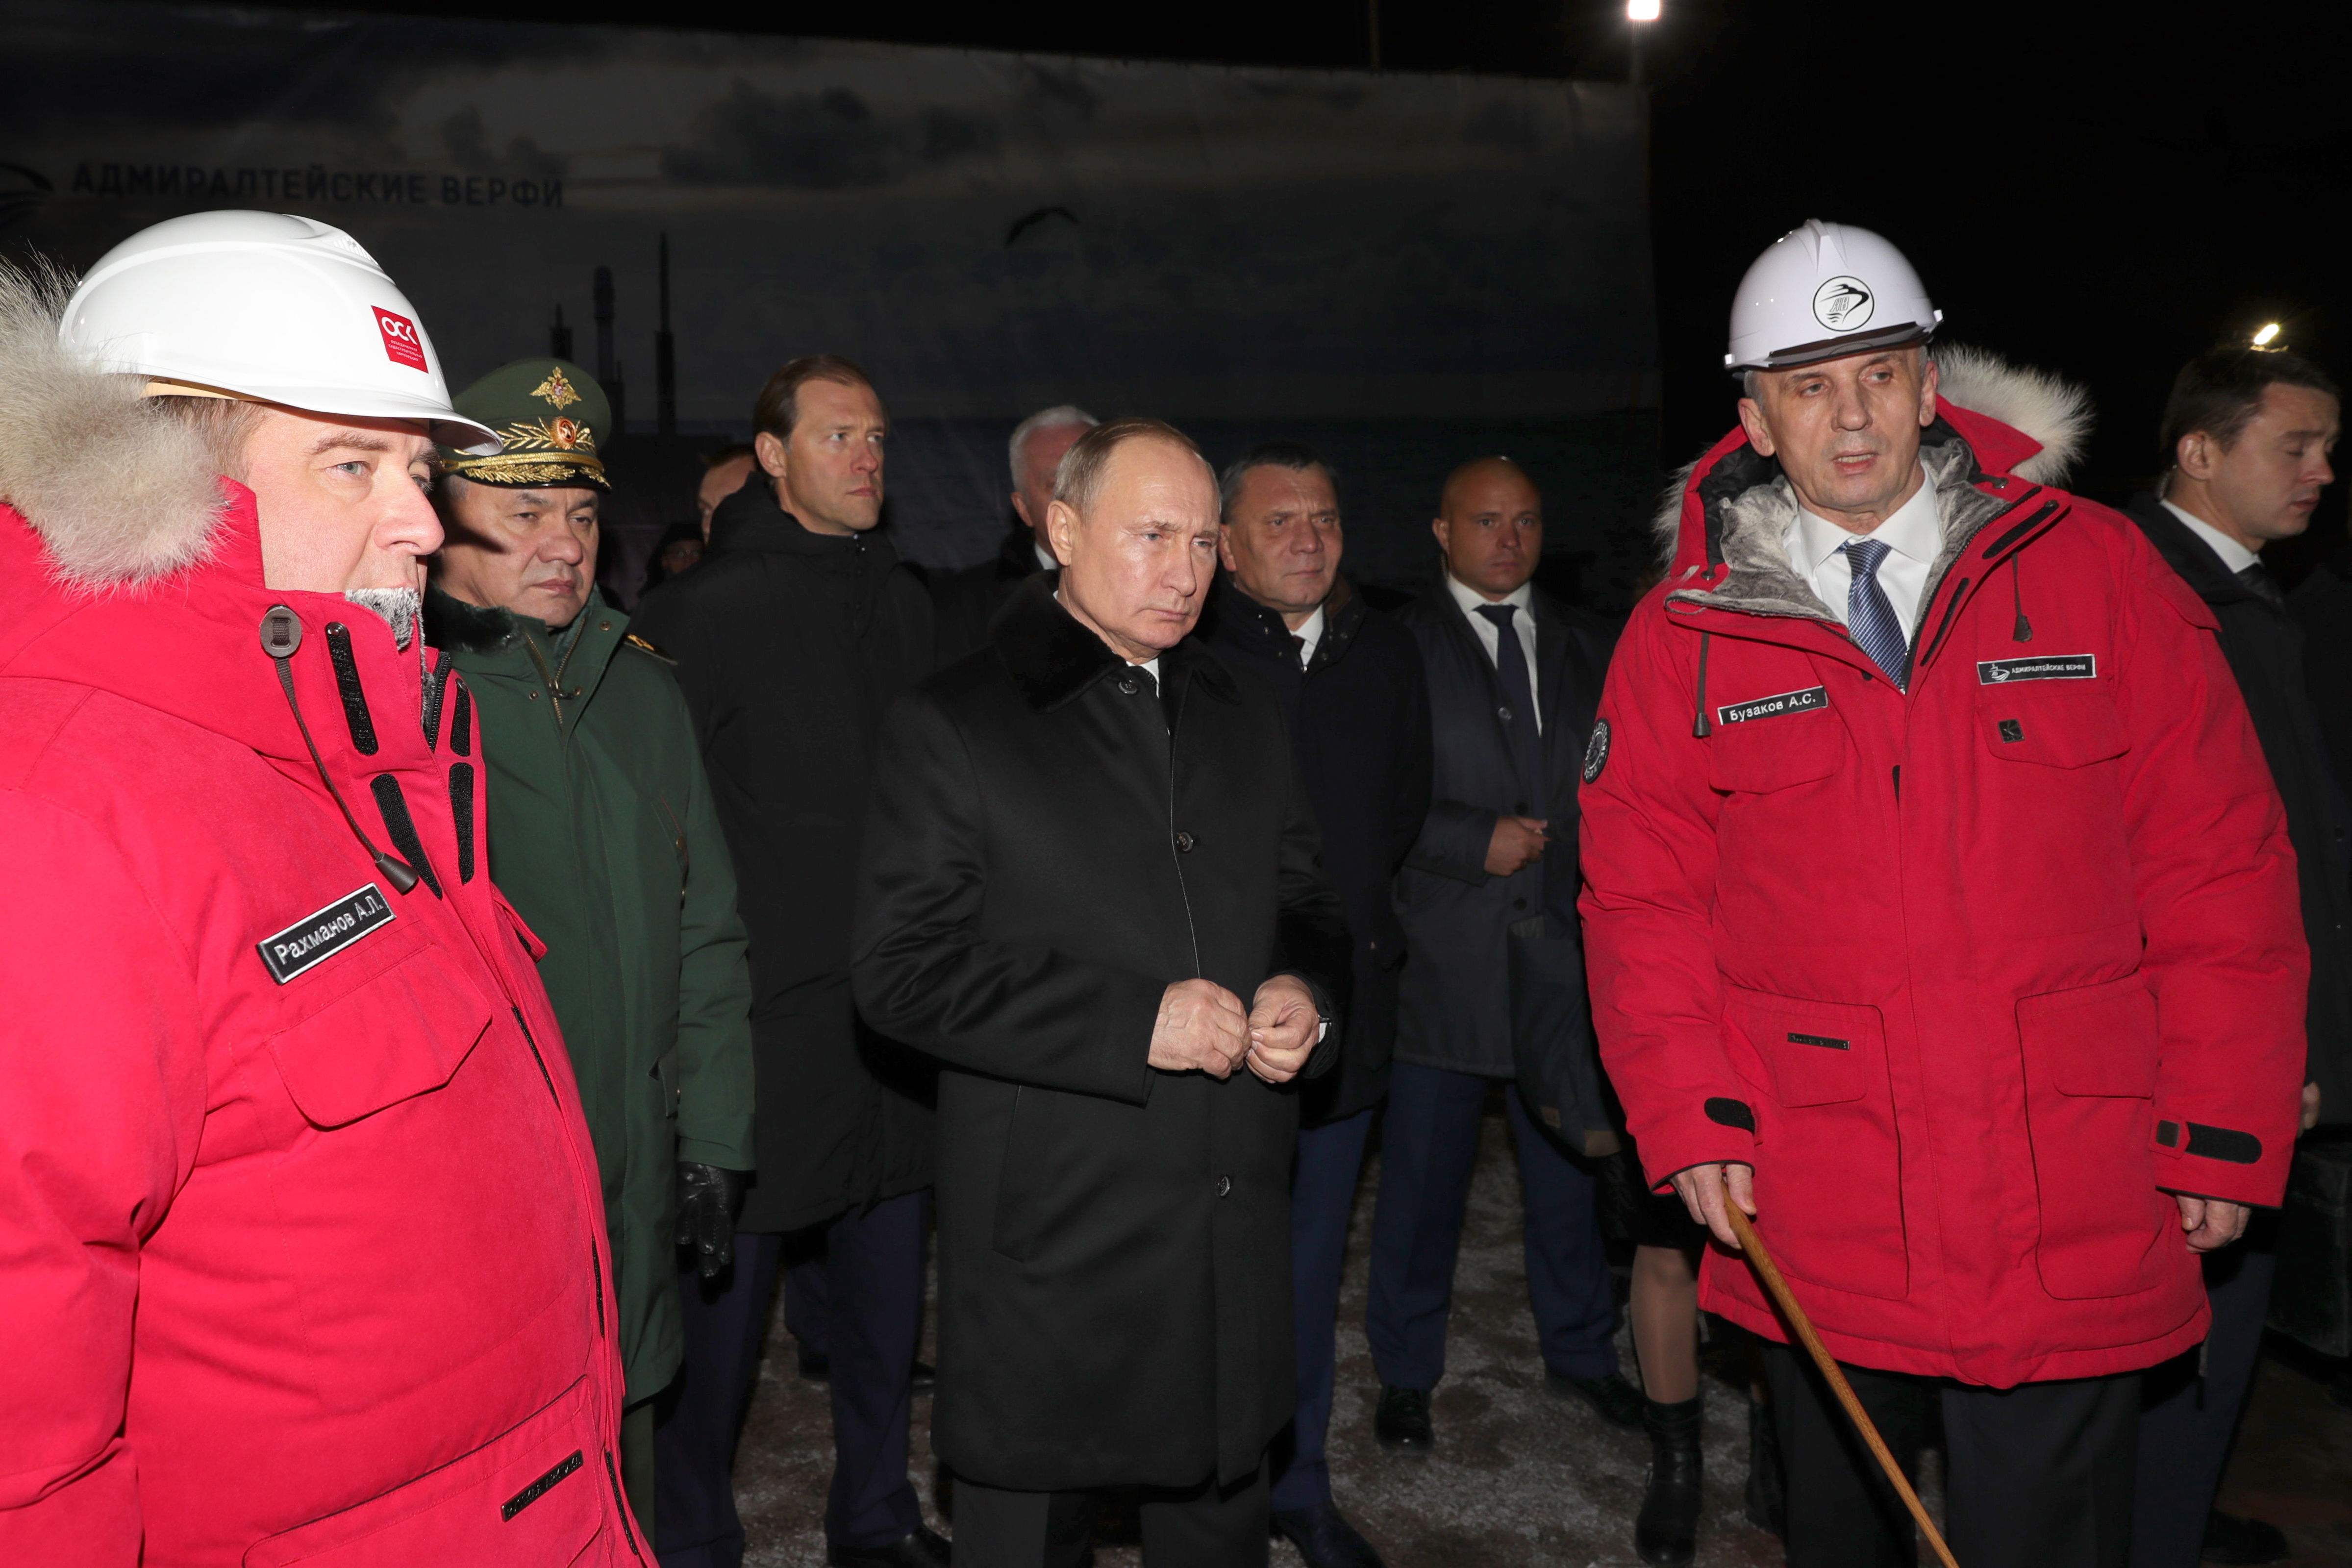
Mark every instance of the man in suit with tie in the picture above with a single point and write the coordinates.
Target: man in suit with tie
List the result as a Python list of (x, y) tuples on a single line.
[(1488, 898), (2248, 436)]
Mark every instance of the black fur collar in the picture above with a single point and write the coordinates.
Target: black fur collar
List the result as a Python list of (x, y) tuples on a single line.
[(1053, 658)]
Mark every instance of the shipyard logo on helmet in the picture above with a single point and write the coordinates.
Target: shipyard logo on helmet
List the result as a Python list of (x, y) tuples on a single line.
[(1844, 304), (402, 345)]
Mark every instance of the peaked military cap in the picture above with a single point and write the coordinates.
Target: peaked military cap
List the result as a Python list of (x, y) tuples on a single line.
[(549, 413)]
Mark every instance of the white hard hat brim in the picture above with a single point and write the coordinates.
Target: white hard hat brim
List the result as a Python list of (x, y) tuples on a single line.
[(1897, 336), (448, 427)]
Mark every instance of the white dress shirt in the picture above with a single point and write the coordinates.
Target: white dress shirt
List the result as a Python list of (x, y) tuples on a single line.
[(2235, 557), (1045, 561), (1522, 598), (1914, 537), (1309, 632)]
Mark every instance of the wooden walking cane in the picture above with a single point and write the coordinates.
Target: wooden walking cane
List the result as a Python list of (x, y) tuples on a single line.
[(1760, 1259)]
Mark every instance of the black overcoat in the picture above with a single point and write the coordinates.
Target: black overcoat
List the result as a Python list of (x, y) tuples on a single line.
[(790, 647), (1475, 997), (1358, 717), (964, 603), (1052, 845), (2265, 649)]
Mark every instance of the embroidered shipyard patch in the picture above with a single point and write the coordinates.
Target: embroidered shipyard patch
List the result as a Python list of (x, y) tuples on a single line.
[(2049, 667), (1805, 701), (315, 938), (1596, 750)]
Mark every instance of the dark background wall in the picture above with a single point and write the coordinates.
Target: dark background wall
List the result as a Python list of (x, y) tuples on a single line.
[(2098, 190)]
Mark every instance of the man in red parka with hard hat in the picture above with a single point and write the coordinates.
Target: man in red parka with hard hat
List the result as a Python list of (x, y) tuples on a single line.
[(1938, 899), (302, 1242)]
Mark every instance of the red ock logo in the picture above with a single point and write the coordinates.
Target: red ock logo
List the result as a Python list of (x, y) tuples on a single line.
[(402, 345)]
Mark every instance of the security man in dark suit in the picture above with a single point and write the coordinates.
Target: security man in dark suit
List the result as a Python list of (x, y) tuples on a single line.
[(1349, 682), (2248, 437), (1494, 973)]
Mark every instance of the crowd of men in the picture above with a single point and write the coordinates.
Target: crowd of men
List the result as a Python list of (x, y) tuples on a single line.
[(445, 1010)]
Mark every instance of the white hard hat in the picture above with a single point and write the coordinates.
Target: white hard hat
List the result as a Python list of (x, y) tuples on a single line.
[(268, 306), (1823, 290)]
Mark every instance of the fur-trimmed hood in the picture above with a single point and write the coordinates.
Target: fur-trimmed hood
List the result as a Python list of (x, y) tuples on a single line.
[(2047, 422), (1732, 509), (121, 493)]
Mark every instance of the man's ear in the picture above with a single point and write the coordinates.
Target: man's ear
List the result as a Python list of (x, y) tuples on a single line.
[(1021, 510), (2194, 455), (1225, 545), (1437, 525), (1061, 530), (1751, 420), (771, 454)]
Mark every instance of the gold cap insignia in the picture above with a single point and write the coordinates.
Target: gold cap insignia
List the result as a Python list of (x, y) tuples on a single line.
[(556, 390)]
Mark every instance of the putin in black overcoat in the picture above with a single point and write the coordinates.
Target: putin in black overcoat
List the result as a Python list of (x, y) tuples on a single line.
[(1091, 889)]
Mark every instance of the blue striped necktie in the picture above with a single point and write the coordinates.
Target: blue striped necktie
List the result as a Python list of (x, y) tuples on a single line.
[(1870, 619)]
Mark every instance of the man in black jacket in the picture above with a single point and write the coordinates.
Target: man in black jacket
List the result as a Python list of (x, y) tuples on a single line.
[(1088, 846), (792, 638), (967, 600), (2248, 436), (1494, 977), (1349, 682)]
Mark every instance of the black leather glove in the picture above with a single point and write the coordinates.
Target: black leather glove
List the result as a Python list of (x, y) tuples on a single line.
[(707, 1201)]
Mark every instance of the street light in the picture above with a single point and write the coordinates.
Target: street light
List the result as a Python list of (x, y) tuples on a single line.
[(2267, 336), (1640, 13)]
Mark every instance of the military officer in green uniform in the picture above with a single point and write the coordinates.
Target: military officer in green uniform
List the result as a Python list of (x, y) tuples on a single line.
[(601, 834)]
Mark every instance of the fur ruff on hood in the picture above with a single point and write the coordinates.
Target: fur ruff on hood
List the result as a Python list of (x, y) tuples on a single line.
[(121, 493), (2040, 406)]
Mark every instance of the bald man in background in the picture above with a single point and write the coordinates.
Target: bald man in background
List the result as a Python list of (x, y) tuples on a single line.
[(1494, 972)]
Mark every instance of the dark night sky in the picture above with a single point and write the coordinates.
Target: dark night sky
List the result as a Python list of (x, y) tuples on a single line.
[(2101, 189)]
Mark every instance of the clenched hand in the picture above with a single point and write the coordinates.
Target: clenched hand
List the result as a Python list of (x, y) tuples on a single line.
[(1284, 1026), (2211, 1223), (1702, 1189), (1201, 1028), (1516, 842)]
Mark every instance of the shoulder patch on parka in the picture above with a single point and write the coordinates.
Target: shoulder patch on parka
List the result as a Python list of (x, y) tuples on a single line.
[(631, 640)]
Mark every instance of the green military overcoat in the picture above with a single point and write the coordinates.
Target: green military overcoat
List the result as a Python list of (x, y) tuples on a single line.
[(601, 834)]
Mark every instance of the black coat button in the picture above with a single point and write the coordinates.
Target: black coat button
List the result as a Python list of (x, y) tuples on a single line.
[(1185, 843), (1504, 714), (1127, 684), (1225, 1185), (1518, 904)]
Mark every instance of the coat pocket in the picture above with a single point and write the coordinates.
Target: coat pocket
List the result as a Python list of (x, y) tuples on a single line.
[(2089, 1087), (1829, 1168), (2052, 728), (539, 1494), (402, 1034), (1762, 755)]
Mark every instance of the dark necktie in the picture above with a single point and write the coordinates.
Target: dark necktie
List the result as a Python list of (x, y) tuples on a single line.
[(1518, 714), (1870, 619), (2258, 577), (1299, 649)]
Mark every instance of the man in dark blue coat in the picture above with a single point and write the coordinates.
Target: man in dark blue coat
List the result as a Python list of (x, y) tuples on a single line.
[(1493, 983), (1350, 684)]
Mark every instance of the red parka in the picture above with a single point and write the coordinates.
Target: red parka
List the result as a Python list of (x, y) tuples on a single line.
[(301, 1245), (1974, 974)]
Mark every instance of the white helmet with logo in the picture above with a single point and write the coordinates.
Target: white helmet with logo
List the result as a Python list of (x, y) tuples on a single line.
[(1823, 290), (266, 306)]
